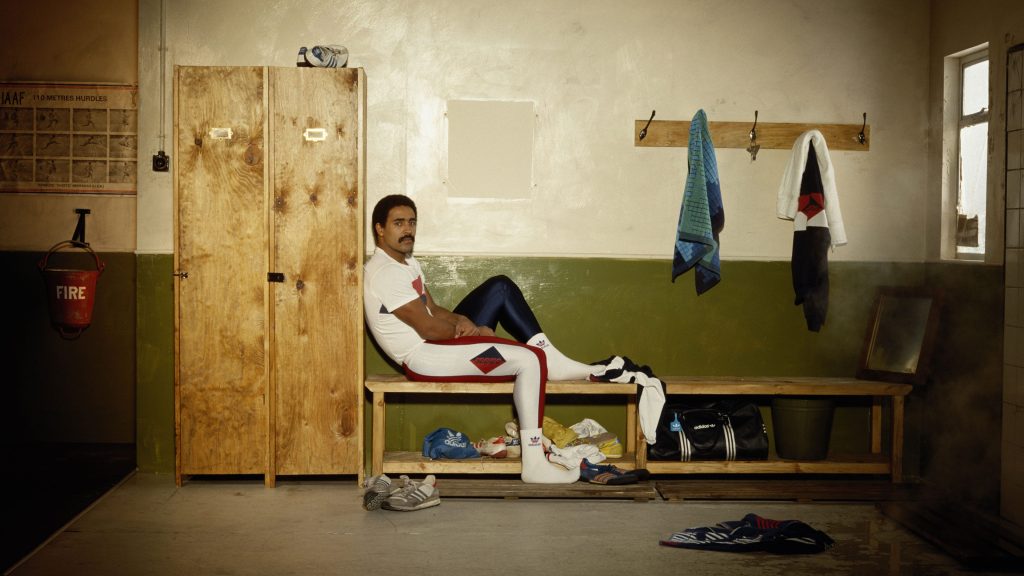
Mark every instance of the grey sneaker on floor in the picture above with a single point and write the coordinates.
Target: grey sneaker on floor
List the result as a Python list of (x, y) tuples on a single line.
[(415, 495), (378, 488)]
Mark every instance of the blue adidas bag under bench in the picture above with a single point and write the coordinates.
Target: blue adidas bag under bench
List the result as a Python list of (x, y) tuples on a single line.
[(447, 443)]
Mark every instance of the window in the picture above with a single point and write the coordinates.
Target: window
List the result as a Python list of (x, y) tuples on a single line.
[(972, 157)]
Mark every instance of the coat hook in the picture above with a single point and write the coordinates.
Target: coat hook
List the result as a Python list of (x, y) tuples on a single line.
[(754, 146), (860, 137), (643, 132)]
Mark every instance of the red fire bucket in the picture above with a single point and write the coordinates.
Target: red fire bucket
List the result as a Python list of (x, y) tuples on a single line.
[(70, 294)]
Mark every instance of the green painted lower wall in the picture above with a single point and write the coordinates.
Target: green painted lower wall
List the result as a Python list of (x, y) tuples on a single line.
[(68, 391), (594, 308), (748, 325), (115, 384), (957, 418), (155, 363)]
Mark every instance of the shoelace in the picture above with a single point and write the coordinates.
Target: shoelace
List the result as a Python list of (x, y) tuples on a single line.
[(408, 486)]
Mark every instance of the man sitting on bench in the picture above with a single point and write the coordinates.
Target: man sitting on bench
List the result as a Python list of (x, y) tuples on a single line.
[(432, 343)]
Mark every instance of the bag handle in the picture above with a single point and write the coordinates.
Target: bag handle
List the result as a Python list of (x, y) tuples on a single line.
[(698, 416), (74, 244)]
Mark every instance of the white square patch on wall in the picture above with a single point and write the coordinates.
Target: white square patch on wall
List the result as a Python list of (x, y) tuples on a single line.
[(490, 149)]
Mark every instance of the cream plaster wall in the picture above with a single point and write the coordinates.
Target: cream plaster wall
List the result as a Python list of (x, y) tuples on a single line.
[(593, 67), (33, 222), (68, 41)]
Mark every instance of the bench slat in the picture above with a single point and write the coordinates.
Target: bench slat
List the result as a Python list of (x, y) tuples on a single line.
[(794, 386), (835, 464), (724, 385), (564, 387)]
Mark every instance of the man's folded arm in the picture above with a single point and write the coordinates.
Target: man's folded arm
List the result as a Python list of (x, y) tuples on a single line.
[(415, 314)]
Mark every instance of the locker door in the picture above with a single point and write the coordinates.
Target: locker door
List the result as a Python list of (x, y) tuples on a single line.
[(221, 243), (316, 239)]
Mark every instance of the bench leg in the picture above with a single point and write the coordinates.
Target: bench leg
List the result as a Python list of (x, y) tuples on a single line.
[(876, 424), (377, 450), (631, 425), (637, 443), (897, 438)]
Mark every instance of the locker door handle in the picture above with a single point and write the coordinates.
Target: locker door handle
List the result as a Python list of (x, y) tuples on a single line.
[(181, 275)]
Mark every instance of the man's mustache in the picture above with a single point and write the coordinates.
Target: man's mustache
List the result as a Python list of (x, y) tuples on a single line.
[(408, 237)]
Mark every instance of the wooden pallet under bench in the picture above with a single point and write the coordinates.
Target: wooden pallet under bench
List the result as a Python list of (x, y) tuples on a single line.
[(789, 489), (514, 489), (876, 462)]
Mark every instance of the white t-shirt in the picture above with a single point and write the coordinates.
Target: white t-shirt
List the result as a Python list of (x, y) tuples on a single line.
[(387, 286)]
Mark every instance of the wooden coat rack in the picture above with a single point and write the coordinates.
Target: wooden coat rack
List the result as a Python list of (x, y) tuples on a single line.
[(770, 135)]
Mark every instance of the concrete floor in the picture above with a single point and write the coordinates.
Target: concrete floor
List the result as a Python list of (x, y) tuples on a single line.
[(147, 525)]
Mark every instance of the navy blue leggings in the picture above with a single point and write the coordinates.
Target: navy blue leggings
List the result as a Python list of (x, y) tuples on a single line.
[(499, 300)]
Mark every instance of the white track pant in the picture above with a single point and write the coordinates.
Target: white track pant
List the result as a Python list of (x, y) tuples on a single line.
[(476, 359)]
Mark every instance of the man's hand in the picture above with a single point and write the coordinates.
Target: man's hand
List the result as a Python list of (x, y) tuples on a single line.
[(465, 327)]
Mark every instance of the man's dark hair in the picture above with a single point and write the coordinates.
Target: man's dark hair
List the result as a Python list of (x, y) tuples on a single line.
[(384, 206)]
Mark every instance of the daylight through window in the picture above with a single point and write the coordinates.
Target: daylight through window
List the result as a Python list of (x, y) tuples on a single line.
[(972, 167)]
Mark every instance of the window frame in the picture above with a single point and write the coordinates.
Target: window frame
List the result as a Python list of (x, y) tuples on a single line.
[(955, 121)]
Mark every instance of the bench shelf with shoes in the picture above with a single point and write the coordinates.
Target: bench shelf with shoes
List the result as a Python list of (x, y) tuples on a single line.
[(406, 462)]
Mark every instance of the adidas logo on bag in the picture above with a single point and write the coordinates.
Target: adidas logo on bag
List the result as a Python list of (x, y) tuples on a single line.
[(456, 440)]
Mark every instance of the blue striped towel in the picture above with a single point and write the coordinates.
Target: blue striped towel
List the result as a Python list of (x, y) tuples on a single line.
[(702, 215)]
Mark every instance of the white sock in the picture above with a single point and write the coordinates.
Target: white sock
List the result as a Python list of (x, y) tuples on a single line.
[(560, 366), (536, 468)]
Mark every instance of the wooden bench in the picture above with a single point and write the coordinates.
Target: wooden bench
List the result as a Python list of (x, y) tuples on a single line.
[(876, 462)]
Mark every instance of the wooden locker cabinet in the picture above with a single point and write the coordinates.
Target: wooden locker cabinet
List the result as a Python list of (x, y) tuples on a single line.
[(268, 188)]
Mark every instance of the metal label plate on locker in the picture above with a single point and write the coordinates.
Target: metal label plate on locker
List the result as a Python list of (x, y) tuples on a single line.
[(315, 134), (221, 133)]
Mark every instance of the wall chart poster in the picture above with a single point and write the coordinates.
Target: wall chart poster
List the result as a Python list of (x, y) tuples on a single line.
[(68, 138)]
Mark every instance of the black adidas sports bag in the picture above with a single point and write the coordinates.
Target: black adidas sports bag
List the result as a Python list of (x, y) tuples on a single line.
[(713, 430)]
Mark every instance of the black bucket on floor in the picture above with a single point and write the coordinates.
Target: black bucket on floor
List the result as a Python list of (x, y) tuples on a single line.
[(802, 426)]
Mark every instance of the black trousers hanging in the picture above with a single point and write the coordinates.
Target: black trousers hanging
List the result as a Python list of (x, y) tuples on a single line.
[(810, 273)]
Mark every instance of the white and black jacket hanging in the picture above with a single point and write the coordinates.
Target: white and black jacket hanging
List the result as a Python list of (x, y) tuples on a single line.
[(808, 197)]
